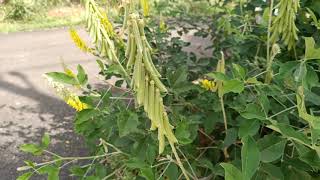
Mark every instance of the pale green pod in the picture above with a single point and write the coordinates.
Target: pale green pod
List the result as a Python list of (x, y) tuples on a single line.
[(152, 65), (137, 36), (141, 85), (157, 106), (137, 71), (151, 101), (161, 140), (132, 55), (168, 129), (146, 93), (141, 27), (129, 46)]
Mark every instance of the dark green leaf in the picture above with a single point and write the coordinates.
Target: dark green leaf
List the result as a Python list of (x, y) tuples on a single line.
[(271, 148), (253, 111), (248, 127), (85, 115), (127, 123), (231, 172), (273, 172), (231, 137), (250, 157), (147, 173)]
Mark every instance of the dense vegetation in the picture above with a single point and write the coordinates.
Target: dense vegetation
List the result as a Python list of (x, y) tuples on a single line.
[(249, 111)]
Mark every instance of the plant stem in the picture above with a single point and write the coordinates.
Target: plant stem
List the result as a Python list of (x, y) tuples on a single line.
[(224, 114), (269, 60), (184, 172)]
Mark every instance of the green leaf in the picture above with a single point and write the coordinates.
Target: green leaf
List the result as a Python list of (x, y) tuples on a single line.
[(311, 51), (218, 76), (82, 76), (151, 153), (45, 140), (300, 72), (288, 132), (231, 137), (312, 158), (178, 77), (248, 127), (62, 77), (271, 148), (233, 85), (272, 171), (231, 172), (25, 176), (53, 174), (172, 171), (127, 122), (250, 157), (253, 111), (31, 148), (86, 115), (147, 173), (101, 65), (238, 71)]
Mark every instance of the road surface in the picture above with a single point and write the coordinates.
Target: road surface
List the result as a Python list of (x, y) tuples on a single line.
[(28, 106)]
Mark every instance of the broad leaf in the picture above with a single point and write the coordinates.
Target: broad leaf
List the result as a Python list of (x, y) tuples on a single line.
[(248, 127), (127, 123), (311, 51), (231, 172), (86, 115), (250, 157), (45, 140), (233, 85), (271, 148), (62, 77), (82, 76)]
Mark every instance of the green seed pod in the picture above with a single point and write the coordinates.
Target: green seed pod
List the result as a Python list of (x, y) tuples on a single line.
[(157, 106), (141, 27), (141, 85), (137, 36), (161, 140), (133, 52), (129, 45), (146, 93), (152, 65), (137, 71), (126, 14), (168, 129), (151, 101)]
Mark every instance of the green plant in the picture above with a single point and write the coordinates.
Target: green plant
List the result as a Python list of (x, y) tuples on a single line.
[(249, 112)]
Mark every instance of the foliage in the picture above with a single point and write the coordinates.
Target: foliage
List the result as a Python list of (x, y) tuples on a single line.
[(250, 112)]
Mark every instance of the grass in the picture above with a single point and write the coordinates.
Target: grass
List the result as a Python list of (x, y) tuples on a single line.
[(55, 17)]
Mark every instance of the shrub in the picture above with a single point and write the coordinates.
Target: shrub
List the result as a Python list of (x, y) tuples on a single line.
[(251, 111)]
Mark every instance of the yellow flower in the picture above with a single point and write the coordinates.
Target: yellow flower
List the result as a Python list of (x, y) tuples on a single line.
[(107, 24), (78, 41), (208, 85), (76, 103)]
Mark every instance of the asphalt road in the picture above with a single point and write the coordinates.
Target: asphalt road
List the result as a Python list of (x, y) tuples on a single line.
[(29, 107)]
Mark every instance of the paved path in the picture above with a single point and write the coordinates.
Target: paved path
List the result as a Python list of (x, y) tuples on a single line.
[(28, 106)]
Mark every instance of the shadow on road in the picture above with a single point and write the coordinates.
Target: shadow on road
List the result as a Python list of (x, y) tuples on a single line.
[(27, 124)]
